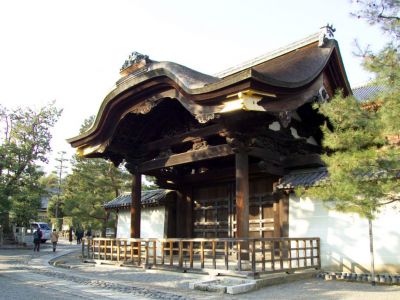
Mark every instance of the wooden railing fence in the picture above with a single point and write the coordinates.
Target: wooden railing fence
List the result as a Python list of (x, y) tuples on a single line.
[(250, 256)]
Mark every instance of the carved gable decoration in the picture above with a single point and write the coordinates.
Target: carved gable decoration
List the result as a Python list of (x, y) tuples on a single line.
[(134, 62)]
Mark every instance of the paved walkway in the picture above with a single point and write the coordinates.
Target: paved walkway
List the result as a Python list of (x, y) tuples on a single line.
[(24, 275)]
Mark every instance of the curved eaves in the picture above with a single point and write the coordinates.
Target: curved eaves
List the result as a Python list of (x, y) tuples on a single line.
[(186, 81)]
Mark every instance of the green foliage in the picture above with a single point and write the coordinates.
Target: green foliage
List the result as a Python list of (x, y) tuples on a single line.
[(352, 128), (363, 165), (24, 143), (93, 182)]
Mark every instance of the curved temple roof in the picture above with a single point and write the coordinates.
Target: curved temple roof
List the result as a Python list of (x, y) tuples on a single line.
[(281, 75)]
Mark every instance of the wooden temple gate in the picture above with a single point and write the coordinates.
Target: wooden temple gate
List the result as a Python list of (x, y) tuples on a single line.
[(222, 143)]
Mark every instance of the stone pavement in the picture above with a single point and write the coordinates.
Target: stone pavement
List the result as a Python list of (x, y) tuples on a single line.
[(88, 281)]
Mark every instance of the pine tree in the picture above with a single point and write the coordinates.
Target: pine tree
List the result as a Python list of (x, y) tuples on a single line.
[(362, 151), (92, 183)]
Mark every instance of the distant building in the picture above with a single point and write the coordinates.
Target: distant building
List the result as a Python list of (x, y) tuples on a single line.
[(157, 214)]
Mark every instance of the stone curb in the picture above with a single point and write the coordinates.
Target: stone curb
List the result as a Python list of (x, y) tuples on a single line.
[(383, 279)]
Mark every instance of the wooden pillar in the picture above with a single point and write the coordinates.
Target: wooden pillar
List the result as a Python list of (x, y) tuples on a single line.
[(180, 214), (242, 194), (136, 204), (188, 214)]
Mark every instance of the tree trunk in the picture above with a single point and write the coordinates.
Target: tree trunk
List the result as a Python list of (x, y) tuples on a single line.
[(371, 249)]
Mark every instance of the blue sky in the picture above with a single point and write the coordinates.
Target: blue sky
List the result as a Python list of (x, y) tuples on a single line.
[(71, 51)]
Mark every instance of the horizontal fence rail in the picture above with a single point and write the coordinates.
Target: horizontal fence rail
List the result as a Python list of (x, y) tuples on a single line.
[(250, 256)]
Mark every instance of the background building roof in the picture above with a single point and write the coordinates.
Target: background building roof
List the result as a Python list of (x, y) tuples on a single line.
[(305, 178), (151, 197), (367, 92)]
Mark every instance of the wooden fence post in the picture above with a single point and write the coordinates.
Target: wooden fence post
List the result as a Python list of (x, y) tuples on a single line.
[(154, 252), (191, 254), (180, 254), (226, 255), (146, 260), (253, 256), (202, 254)]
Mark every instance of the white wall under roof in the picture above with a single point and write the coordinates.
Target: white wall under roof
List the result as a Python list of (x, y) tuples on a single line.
[(344, 237), (153, 223)]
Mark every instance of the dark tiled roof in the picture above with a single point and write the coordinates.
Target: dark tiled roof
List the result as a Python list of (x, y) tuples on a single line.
[(367, 92), (148, 198), (313, 177), (306, 178)]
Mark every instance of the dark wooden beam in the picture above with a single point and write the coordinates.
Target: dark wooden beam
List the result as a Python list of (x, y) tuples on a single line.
[(187, 157), (136, 204), (219, 174), (307, 160), (266, 155), (168, 142)]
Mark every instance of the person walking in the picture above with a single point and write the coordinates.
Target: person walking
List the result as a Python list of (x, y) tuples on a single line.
[(70, 233), (54, 239), (37, 239)]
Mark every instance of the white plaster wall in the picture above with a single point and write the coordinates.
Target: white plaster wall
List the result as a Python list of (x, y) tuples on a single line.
[(153, 223), (344, 236)]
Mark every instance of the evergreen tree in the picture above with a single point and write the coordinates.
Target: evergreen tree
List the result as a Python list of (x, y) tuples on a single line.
[(92, 183), (362, 151)]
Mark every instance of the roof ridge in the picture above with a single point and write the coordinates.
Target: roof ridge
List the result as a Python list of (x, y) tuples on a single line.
[(269, 55)]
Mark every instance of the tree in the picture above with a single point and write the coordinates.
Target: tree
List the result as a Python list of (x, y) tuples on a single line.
[(25, 143), (93, 182), (362, 158)]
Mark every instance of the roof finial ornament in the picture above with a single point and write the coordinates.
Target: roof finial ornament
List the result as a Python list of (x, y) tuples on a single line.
[(135, 61), (326, 34)]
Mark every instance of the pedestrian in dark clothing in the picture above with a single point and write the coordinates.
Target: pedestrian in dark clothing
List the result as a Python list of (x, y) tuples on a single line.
[(37, 238), (79, 235), (70, 235)]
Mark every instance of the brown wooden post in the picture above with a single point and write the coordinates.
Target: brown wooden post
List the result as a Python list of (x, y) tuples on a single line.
[(226, 255), (188, 214), (154, 252), (253, 256), (162, 252), (111, 249), (139, 249), (180, 245), (136, 204), (171, 254), (131, 244), (146, 253), (118, 244), (319, 253), (214, 260), (202, 254), (125, 250), (242, 198), (180, 215), (191, 254), (263, 256)]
